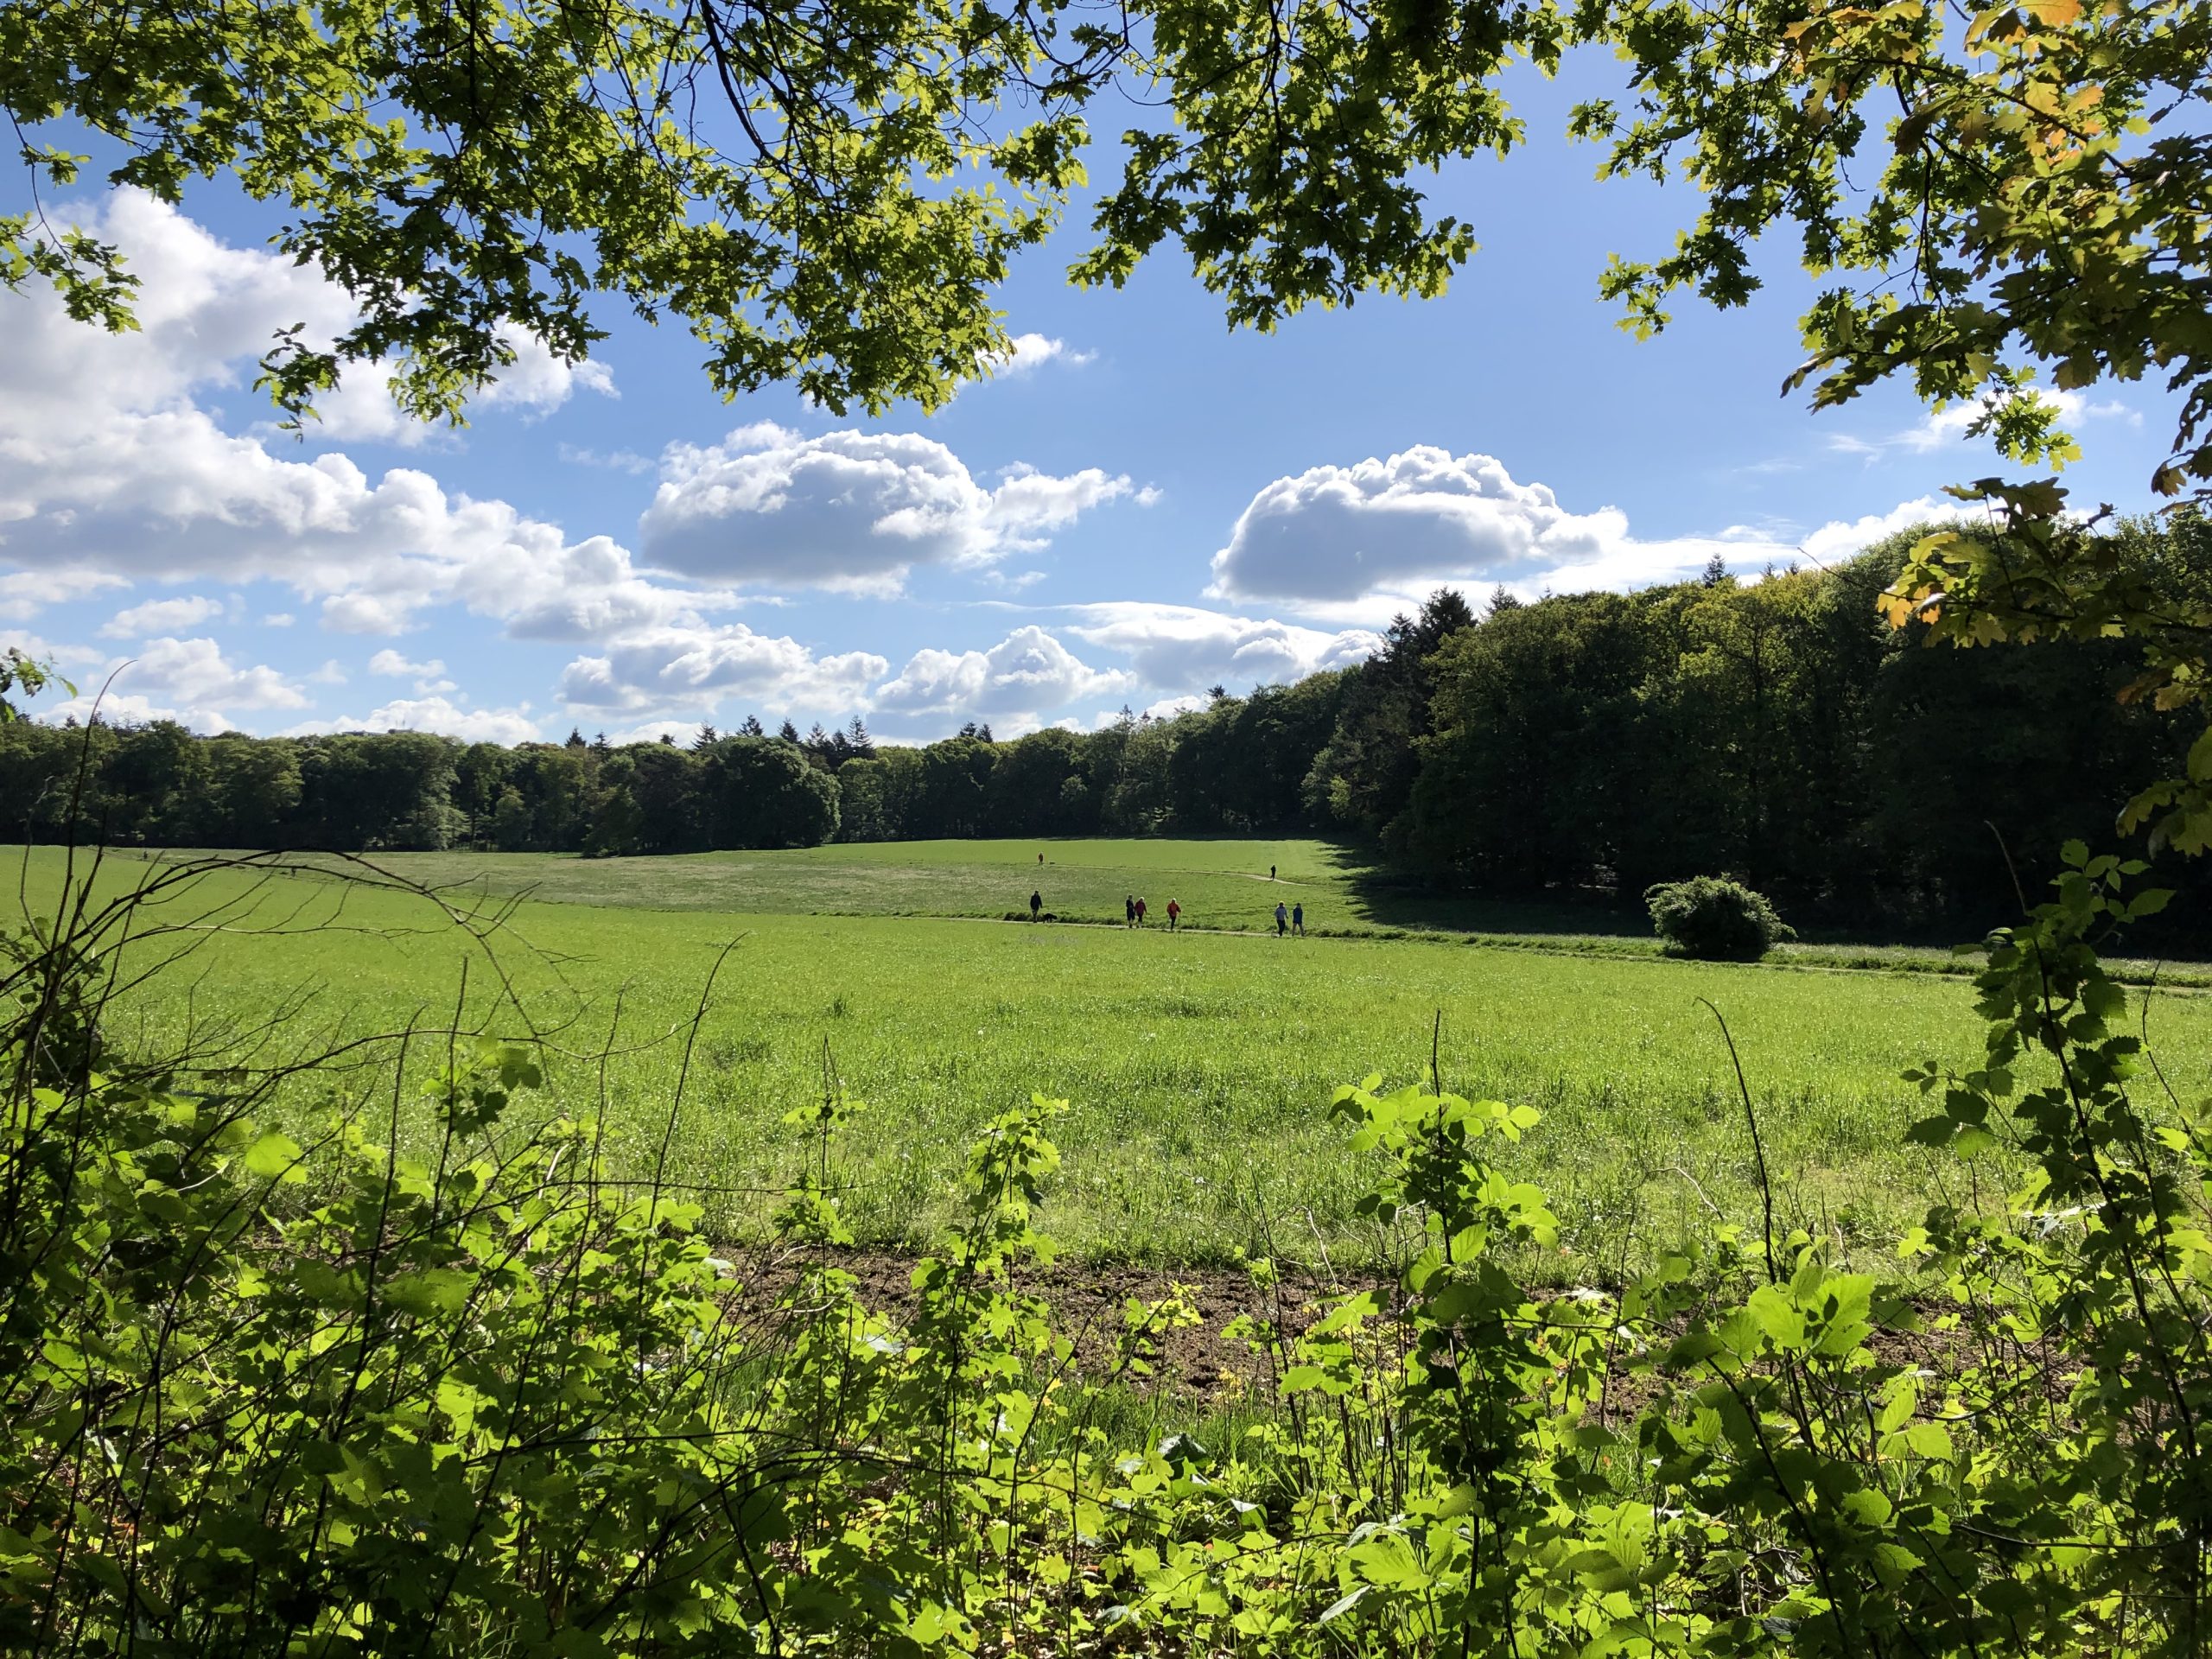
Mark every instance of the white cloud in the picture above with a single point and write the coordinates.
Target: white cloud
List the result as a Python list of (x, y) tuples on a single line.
[(846, 510), (278, 620), (1177, 647), (435, 715), (186, 680), (132, 709), (1354, 544), (393, 666), (429, 677), (24, 593), (1361, 539), (1941, 429), (1839, 539), (1032, 352), (331, 673), (1169, 708), (667, 670), (110, 471), (1024, 677), (653, 730), (161, 616)]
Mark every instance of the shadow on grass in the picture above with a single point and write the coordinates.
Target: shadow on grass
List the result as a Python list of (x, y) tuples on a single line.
[(1385, 894)]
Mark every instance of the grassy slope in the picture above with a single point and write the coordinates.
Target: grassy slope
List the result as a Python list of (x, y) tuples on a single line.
[(1200, 1066)]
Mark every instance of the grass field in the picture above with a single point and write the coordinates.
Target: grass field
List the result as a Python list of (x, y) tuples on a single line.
[(1222, 885), (1200, 1066)]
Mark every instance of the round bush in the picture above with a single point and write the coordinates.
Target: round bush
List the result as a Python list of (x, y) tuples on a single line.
[(1715, 919)]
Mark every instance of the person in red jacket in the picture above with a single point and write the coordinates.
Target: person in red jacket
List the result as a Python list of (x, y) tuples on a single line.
[(1140, 912), (1175, 910)]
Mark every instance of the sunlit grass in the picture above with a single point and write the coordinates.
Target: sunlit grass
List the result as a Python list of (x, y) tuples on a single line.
[(1200, 1066)]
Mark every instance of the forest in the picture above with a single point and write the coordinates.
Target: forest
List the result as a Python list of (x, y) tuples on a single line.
[(1776, 729)]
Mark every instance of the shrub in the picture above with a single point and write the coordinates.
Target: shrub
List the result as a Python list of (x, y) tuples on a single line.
[(1714, 919)]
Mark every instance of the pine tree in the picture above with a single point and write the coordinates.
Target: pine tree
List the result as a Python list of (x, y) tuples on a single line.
[(708, 735), (752, 727), (788, 732)]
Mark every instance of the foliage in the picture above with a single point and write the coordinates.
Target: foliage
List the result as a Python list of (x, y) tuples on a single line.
[(269, 1397), (833, 197), (1612, 741), (1715, 919), (2038, 576), (26, 676)]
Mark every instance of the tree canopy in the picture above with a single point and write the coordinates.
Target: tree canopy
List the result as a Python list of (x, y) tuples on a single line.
[(830, 195)]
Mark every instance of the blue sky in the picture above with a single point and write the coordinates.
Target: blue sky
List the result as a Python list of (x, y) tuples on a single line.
[(1140, 506)]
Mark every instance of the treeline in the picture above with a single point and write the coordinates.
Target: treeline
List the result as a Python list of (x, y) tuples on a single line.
[(1776, 729)]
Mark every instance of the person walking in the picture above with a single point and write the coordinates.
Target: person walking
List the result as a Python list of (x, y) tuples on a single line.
[(1036, 904), (1271, 871), (1298, 919), (1128, 910), (1140, 912), (1282, 919), (1174, 911), (1040, 858)]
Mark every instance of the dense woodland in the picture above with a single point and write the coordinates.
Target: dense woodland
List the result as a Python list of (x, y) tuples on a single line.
[(1775, 729)]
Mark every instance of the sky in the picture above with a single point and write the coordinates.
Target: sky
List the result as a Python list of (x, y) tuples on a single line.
[(1140, 504)]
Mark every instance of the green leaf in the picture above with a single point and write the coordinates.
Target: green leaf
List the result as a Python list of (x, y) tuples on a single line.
[(274, 1157)]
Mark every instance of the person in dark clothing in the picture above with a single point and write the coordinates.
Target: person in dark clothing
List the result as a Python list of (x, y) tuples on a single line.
[(1036, 904), (1174, 911), (1298, 919), (1271, 871), (1140, 912), (1282, 919), (1128, 910)]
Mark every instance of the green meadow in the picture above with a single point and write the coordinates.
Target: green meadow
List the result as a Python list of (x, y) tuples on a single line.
[(1199, 1066)]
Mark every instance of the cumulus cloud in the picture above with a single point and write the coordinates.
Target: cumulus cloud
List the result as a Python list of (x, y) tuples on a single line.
[(1016, 682), (846, 510), (437, 716), (1334, 535), (115, 468), (24, 593), (110, 471), (429, 677), (206, 311), (1175, 647), (655, 669), (1839, 539), (190, 681), (393, 666), (1357, 542), (161, 616)]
